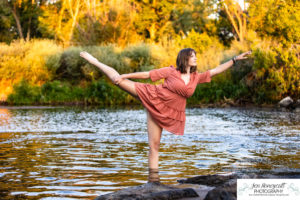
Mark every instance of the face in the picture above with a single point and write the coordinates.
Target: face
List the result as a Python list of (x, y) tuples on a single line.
[(192, 60)]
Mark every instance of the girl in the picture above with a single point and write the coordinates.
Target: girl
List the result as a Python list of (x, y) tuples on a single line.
[(165, 103)]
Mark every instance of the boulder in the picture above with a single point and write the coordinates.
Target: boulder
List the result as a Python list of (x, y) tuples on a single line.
[(204, 187), (151, 190), (226, 191), (286, 102), (210, 180)]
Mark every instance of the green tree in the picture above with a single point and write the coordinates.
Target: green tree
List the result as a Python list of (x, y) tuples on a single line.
[(237, 18), (196, 15), (276, 18), (6, 23), (25, 14)]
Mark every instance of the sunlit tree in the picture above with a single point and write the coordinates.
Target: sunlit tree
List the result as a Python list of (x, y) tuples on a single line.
[(237, 17), (276, 18)]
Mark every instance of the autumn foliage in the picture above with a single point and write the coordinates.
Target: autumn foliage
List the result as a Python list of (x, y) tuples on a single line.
[(41, 41)]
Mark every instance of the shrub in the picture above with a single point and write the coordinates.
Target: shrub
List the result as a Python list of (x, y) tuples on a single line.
[(24, 93), (59, 92), (140, 57), (103, 93), (26, 60), (277, 72)]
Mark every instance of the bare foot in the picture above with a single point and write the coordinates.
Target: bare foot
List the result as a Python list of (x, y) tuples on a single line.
[(88, 56)]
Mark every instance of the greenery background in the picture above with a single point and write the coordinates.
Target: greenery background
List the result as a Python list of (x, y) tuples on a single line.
[(41, 41)]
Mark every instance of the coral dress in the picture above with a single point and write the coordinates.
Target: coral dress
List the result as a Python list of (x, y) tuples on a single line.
[(166, 102)]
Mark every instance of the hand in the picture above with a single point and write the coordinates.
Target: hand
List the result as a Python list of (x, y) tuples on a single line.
[(88, 56), (117, 79), (243, 55)]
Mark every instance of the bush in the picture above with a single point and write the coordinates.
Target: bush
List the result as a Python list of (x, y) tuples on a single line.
[(103, 93), (140, 57), (221, 87), (24, 93), (26, 60), (59, 92), (277, 71), (70, 64)]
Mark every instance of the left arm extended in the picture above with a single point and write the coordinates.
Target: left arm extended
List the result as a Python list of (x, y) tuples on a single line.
[(221, 68)]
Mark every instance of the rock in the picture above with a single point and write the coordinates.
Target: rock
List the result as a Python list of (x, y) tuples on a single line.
[(154, 191), (210, 180), (226, 191), (286, 102), (297, 106), (225, 185), (201, 190), (204, 187)]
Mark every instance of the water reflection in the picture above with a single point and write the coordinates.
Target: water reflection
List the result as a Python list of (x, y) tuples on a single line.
[(81, 152), (4, 116)]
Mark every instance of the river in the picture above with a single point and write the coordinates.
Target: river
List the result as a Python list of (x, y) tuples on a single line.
[(80, 153)]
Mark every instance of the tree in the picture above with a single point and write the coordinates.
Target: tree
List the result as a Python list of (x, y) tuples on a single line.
[(236, 16), (194, 15), (276, 18), (111, 23), (6, 23), (60, 19), (25, 14)]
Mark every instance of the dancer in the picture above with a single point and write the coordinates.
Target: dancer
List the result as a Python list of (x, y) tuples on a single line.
[(165, 103)]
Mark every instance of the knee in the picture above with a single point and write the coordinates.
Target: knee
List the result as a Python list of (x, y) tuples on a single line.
[(154, 147)]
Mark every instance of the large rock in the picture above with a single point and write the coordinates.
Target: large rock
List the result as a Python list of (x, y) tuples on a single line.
[(223, 192), (286, 102), (210, 180), (153, 191), (204, 187), (297, 106), (224, 186)]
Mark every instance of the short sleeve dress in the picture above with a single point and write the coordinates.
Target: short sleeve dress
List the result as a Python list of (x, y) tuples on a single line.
[(166, 102)]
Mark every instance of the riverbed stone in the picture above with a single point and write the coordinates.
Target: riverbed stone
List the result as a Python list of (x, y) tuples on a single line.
[(297, 106), (210, 180), (286, 102), (152, 190), (203, 187), (226, 191)]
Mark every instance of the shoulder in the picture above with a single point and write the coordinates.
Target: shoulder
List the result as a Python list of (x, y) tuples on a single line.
[(172, 68)]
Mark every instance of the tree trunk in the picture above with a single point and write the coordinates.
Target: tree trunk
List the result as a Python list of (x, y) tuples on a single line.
[(19, 27), (234, 11), (28, 30), (74, 19), (60, 18)]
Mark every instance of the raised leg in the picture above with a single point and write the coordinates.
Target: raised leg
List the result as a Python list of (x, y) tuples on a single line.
[(111, 73), (154, 135)]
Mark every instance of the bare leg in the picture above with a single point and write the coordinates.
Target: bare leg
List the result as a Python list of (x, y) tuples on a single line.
[(111, 73), (154, 135)]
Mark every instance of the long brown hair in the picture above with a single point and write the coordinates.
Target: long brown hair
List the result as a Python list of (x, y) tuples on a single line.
[(183, 59)]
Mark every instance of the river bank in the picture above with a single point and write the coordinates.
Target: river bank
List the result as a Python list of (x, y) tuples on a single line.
[(223, 104)]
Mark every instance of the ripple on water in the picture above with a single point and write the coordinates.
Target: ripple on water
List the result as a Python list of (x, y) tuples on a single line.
[(75, 153)]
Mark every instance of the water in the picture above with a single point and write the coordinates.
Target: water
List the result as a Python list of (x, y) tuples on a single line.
[(80, 153)]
